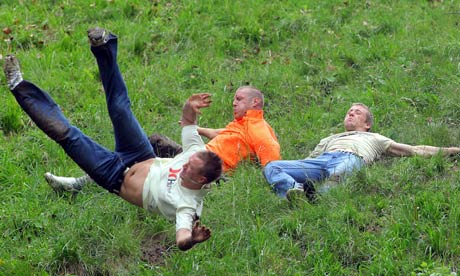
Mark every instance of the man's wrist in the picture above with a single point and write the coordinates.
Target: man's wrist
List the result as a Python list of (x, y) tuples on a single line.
[(186, 244)]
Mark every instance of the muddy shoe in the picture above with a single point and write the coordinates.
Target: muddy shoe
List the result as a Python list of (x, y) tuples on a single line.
[(163, 146), (12, 71), (66, 184), (98, 36)]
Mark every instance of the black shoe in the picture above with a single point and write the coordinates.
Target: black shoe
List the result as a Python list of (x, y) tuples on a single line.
[(12, 71), (98, 36), (309, 190)]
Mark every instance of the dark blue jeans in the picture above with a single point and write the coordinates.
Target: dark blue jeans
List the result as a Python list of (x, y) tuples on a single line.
[(131, 143)]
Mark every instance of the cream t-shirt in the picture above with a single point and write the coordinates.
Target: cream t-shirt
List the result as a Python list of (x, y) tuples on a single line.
[(163, 192), (370, 146)]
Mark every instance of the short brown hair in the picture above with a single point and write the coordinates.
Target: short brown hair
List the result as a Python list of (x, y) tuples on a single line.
[(212, 167), (369, 115)]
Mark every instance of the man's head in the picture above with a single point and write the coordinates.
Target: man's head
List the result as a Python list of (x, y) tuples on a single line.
[(202, 168), (247, 98), (358, 118)]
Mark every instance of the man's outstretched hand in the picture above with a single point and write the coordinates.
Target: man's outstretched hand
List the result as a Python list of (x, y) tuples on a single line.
[(192, 108), (200, 233), (197, 101), (186, 239)]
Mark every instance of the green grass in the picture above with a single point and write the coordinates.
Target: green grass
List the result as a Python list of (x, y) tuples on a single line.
[(312, 59)]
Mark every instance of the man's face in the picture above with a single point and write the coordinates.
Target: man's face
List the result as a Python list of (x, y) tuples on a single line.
[(190, 170), (242, 102), (355, 120)]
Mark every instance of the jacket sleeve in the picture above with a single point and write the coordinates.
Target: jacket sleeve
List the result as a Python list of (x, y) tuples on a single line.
[(265, 144)]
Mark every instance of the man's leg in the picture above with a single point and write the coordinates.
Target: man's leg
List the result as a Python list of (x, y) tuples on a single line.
[(291, 174), (131, 142), (343, 164), (340, 165), (101, 164), (162, 145)]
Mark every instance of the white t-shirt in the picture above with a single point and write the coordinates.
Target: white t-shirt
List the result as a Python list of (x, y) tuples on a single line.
[(370, 146), (163, 192)]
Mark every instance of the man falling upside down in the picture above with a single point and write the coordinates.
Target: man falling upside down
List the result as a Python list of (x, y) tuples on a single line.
[(172, 187)]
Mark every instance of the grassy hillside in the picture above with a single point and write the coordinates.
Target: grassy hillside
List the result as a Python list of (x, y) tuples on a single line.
[(312, 59)]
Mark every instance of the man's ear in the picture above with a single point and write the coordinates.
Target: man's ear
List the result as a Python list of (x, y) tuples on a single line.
[(203, 180), (255, 102), (368, 126)]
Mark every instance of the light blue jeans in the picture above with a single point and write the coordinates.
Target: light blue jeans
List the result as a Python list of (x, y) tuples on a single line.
[(106, 167), (283, 175)]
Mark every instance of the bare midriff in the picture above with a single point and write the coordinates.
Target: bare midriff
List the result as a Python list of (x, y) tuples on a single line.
[(133, 183)]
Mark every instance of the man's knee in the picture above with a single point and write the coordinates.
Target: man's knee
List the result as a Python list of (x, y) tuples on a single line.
[(58, 131), (270, 169)]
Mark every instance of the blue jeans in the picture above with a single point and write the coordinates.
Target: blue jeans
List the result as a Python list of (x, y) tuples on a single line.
[(131, 143), (284, 175)]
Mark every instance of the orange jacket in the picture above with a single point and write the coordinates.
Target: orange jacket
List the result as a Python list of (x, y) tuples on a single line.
[(246, 138)]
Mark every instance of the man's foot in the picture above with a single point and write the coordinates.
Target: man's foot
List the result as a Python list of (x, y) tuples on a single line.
[(307, 191), (12, 71), (310, 191), (65, 184), (98, 36), (294, 194)]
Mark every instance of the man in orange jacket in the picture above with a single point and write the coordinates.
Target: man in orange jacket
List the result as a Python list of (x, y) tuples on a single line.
[(248, 136)]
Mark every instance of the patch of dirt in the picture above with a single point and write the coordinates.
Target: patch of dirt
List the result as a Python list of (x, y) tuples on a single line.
[(155, 249)]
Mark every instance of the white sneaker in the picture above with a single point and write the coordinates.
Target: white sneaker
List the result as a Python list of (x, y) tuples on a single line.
[(63, 184), (294, 194)]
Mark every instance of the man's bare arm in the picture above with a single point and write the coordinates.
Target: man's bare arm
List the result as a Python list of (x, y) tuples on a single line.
[(209, 132), (398, 149), (186, 239)]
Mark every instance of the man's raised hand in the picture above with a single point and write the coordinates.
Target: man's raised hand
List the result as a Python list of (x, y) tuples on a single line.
[(197, 101), (192, 108)]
